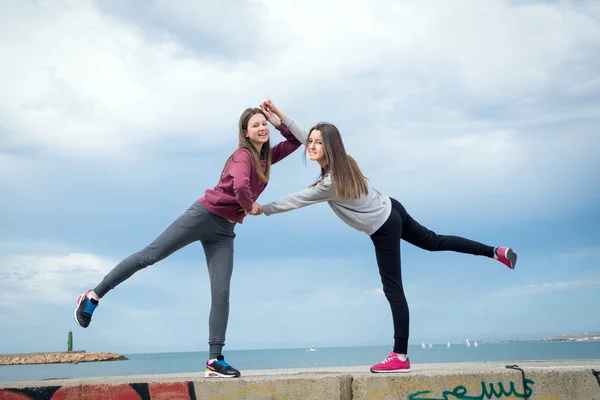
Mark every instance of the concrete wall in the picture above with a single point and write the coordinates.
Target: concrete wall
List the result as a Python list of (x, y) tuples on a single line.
[(579, 380)]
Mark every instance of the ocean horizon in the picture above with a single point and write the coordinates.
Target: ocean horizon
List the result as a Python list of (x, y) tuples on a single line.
[(192, 362)]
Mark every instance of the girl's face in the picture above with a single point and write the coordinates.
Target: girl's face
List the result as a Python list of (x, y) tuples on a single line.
[(315, 148), (258, 130)]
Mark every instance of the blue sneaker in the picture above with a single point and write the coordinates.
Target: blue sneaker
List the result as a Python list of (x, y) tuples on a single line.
[(84, 309), (218, 368)]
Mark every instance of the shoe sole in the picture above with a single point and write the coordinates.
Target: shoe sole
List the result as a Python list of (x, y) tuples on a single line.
[(390, 372), (512, 258), (214, 374), (81, 296)]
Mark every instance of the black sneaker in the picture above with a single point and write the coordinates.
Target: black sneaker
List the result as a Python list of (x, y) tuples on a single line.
[(218, 368), (84, 309)]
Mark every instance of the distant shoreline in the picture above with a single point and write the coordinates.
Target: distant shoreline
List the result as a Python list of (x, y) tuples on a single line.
[(37, 353), (567, 337), (62, 357), (545, 341), (586, 337)]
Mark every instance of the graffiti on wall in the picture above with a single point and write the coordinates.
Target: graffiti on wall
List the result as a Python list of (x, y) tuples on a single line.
[(133, 391), (415, 390), (482, 390), (488, 391)]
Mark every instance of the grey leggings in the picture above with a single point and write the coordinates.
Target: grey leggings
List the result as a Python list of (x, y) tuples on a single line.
[(216, 235)]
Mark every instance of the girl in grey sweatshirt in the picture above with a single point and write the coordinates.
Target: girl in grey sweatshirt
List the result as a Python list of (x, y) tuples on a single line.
[(349, 194)]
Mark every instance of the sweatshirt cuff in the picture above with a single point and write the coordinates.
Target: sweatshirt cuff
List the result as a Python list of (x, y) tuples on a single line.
[(267, 209)]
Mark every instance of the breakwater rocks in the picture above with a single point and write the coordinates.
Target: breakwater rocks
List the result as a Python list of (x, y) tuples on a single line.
[(58, 358)]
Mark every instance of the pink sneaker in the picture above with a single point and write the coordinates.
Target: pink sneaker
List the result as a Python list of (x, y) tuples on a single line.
[(392, 364), (506, 256)]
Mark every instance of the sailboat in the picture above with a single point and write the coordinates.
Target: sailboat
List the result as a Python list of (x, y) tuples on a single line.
[(422, 345), (430, 345), (475, 344), (468, 343), (448, 344)]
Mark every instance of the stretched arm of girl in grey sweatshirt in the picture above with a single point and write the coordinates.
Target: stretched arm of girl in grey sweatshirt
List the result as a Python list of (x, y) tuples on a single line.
[(322, 191), (296, 129)]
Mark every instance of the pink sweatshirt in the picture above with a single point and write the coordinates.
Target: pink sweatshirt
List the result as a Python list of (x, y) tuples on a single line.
[(240, 186)]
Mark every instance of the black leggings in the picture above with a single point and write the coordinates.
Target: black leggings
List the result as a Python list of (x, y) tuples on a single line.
[(398, 226)]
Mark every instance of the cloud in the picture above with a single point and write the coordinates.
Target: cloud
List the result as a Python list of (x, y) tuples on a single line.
[(117, 88), (89, 85), (117, 112), (213, 31), (441, 104), (536, 288), (49, 277)]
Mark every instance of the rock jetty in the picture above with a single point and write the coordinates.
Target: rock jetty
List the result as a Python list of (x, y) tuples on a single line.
[(59, 357)]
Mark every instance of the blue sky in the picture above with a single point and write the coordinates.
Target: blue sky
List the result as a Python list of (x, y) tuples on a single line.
[(481, 118)]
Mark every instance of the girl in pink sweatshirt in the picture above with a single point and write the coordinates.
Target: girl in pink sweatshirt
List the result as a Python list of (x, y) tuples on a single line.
[(211, 220)]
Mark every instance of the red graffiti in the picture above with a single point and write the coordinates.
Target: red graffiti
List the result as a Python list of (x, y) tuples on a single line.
[(169, 391), (9, 395), (96, 392), (135, 391)]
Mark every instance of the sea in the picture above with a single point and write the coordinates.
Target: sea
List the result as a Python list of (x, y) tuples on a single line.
[(165, 363)]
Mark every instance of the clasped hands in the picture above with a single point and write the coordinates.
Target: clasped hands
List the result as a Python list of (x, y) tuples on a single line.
[(256, 209)]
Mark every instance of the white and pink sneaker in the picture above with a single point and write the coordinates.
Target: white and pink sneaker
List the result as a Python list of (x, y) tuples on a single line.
[(506, 256), (392, 363)]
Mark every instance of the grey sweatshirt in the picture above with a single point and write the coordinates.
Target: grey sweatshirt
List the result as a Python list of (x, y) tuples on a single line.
[(366, 214)]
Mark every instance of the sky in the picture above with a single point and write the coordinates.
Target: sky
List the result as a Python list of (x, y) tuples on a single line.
[(481, 118)]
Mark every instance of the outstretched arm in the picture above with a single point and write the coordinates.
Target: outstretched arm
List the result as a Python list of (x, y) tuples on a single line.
[(322, 191)]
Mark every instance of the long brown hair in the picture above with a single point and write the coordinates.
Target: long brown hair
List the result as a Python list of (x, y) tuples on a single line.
[(348, 180), (245, 143)]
